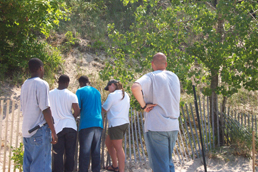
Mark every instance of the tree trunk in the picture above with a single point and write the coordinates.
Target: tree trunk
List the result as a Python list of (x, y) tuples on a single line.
[(223, 108), (222, 123), (214, 104)]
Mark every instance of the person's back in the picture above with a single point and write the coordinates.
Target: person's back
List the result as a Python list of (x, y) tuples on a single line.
[(91, 125), (34, 99), (90, 105), (62, 101), (158, 93), (37, 120), (61, 106), (162, 88)]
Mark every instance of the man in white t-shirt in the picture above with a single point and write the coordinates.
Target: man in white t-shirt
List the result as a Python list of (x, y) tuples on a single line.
[(36, 113), (158, 93), (62, 101)]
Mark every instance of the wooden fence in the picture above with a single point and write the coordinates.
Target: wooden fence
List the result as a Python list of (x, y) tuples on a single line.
[(188, 145)]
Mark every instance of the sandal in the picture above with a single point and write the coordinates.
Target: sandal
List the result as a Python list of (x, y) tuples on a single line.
[(111, 168)]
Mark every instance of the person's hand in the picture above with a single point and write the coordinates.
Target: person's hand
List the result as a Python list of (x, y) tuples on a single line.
[(149, 107), (54, 138)]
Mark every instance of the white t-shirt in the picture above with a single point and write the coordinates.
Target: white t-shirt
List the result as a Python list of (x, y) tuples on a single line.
[(117, 109), (61, 107), (161, 88), (34, 99)]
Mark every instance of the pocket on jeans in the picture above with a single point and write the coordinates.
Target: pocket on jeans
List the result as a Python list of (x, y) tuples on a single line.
[(37, 140)]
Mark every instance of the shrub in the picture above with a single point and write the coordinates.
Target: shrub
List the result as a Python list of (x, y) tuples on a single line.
[(18, 156), (22, 23)]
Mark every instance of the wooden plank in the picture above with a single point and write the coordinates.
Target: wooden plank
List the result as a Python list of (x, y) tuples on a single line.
[(76, 147), (140, 136), (135, 160), (143, 134), (179, 145), (248, 121), (136, 136), (129, 141), (104, 138), (189, 137), (1, 120), (11, 137), (209, 121), (178, 154), (232, 121), (253, 151), (202, 121), (182, 145), (213, 119), (195, 128), (6, 132), (227, 127), (238, 117), (252, 122), (217, 114), (245, 119), (241, 119), (189, 120), (18, 125), (186, 145), (222, 124), (205, 126)]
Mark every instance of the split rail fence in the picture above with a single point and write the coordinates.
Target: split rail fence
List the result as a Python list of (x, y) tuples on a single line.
[(188, 145)]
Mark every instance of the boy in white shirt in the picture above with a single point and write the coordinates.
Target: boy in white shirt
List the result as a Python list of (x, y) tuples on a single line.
[(36, 113), (62, 101)]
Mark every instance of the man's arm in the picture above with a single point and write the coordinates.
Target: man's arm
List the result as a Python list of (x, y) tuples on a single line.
[(76, 110), (137, 92), (48, 117)]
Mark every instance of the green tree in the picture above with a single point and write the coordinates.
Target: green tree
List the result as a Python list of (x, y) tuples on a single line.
[(21, 23), (213, 46)]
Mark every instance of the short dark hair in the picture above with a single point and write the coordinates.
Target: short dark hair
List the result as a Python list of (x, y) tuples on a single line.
[(35, 64), (63, 79), (84, 80)]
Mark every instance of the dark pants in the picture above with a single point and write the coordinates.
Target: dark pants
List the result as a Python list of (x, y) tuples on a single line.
[(66, 143), (90, 139)]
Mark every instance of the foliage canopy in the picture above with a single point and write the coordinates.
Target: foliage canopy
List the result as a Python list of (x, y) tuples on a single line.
[(21, 23), (212, 46)]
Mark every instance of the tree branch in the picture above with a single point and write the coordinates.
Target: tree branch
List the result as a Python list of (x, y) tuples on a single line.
[(211, 6)]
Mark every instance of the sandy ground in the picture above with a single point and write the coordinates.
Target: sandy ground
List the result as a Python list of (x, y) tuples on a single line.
[(229, 164), (239, 164)]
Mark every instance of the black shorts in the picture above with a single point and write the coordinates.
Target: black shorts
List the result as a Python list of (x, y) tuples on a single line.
[(117, 132)]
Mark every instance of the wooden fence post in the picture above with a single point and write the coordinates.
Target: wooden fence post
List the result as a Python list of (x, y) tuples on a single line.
[(6, 132), (192, 131), (189, 137), (11, 137), (197, 136), (253, 139), (1, 119)]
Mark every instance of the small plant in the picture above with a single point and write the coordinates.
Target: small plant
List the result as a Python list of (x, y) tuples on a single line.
[(18, 156), (241, 139), (69, 41), (98, 45)]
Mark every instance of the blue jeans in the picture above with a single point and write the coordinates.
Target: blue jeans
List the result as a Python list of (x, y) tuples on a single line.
[(37, 151), (66, 144), (160, 145), (90, 139)]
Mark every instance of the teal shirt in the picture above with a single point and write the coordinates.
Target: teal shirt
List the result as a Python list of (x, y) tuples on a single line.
[(89, 99)]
